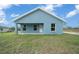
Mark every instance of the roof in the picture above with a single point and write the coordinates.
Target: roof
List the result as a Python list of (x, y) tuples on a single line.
[(35, 9)]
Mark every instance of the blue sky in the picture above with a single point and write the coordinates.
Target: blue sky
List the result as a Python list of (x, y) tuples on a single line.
[(69, 12)]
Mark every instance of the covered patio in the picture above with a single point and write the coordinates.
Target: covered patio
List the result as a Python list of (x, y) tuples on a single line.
[(31, 28)]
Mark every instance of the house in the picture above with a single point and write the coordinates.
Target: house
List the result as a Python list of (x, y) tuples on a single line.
[(39, 21), (4, 29)]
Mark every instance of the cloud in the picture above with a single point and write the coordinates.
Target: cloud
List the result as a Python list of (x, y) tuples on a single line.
[(14, 15), (6, 23), (1, 20), (5, 6), (51, 7), (2, 16), (73, 12), (2, 12), (77, 7), (58, 5), (48, 7)]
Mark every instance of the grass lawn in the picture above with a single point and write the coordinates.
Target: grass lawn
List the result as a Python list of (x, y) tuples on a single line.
[(12, 43)]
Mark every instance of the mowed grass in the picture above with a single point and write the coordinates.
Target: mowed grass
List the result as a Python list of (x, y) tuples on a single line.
[(10, 43)]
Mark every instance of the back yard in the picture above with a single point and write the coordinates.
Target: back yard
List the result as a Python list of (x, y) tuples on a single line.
[(12, 43)]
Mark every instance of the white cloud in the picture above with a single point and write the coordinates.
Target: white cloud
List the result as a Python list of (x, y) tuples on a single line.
[(51, 7), (1, 20), (14, 15), (4, 6), (77, 7), (73, 12), (2, 16), (2, 12), (48, 7), (58, 5), (4, 21)]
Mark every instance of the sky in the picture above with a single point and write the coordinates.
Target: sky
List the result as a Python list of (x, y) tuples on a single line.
[(69, 12)]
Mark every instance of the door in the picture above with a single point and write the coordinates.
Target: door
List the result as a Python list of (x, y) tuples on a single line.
[(40, 28)]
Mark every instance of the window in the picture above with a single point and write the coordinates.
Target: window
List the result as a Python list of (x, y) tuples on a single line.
[(52, 27), (24, 27), (34, 27)]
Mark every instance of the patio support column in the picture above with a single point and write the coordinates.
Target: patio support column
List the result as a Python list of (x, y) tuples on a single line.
[(16, 28), (21, 28)]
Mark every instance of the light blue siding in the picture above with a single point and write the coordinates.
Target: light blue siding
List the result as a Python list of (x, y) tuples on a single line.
[(40, 16)]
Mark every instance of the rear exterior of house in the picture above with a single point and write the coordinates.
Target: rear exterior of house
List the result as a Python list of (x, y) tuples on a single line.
[(38, 21)]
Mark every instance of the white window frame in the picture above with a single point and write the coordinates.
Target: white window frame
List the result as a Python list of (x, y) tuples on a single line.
[(54, 27)]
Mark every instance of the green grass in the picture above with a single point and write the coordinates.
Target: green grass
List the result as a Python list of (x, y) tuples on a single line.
[(12, 43)]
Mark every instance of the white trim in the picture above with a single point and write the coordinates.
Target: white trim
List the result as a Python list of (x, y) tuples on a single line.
[(39, 9)]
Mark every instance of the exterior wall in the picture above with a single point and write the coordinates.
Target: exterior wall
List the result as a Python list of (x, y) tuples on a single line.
[(42, 17)]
